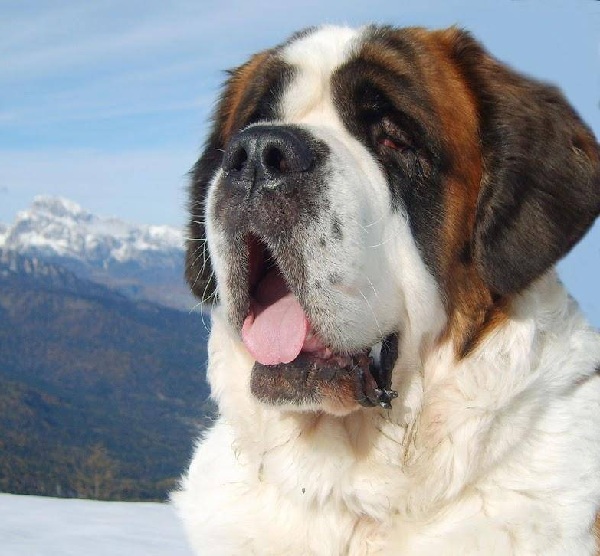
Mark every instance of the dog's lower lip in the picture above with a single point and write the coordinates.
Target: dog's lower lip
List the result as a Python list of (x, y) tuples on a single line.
[(311, 372)]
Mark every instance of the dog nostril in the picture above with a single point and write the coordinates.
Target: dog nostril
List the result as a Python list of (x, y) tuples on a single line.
[(274, 159), (238, 160)]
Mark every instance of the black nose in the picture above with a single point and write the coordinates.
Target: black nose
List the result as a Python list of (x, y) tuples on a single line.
[(266, 157)]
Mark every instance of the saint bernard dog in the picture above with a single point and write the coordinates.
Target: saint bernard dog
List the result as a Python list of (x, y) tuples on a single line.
[(398, 370)]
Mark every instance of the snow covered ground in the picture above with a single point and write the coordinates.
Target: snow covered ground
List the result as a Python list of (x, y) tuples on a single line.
[(38, 526)]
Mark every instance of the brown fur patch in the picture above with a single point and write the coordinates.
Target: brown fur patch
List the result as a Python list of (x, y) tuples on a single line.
[(400, 68), (583, 142), (255, 82), (416, 69), (473, 311), (237, 89)]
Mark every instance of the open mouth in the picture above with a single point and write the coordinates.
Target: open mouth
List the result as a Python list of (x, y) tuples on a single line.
[(293, 363)]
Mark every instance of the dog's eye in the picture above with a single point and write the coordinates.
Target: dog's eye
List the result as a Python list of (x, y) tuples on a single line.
[(394, 144), (391, 136)]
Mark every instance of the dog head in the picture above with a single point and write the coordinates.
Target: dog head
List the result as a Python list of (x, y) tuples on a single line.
[(360, 184)]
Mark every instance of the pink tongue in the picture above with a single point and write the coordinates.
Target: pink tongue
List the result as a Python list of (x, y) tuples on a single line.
[(276, 328)]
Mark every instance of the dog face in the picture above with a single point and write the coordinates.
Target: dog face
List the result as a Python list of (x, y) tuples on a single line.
[(363, 184)]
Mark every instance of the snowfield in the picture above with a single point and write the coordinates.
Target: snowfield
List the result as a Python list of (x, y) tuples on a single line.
[(38, 526)]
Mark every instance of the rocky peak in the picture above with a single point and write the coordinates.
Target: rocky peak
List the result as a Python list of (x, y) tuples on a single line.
[(140, 261), (54, 226)]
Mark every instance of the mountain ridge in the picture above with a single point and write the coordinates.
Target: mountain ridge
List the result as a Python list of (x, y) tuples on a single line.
[(140, 261), (62, 227)]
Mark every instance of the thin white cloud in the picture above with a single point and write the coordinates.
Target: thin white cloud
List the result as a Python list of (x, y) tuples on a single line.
[(86, 109), (96, 34), (8, 116), (87, 61)]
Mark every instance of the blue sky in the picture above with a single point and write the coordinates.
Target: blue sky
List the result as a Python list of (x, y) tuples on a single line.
[(106, 102)]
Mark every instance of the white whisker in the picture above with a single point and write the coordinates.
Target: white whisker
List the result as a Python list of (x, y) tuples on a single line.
[(372, 312), (372, 287), (200, 250), (372, 223), (380, 244)]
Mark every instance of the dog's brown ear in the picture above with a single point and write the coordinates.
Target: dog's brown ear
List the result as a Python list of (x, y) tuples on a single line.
[(240, 104), (541, 187)]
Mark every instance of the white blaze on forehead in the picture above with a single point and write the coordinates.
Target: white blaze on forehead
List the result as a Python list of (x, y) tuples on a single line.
[(315, 57)]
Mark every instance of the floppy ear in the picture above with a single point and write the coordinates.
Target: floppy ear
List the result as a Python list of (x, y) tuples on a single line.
[(198, 269), (237, 106), (541, 187), (248, 96)]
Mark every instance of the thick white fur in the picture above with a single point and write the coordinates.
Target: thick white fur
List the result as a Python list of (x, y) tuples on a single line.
[(498, 454)]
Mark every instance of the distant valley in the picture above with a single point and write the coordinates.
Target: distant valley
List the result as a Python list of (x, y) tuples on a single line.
[(102, 392)]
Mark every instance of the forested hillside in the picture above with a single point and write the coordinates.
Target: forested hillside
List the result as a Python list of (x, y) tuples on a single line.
[(100, 396)]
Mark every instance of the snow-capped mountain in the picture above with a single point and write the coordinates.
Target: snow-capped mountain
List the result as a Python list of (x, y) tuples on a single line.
[(61, 228), (142, 261)]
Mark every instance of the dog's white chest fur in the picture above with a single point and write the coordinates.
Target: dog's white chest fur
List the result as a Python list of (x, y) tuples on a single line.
[(500, 455)]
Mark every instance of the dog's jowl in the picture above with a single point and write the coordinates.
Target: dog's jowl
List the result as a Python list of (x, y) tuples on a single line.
[(397, 368)]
